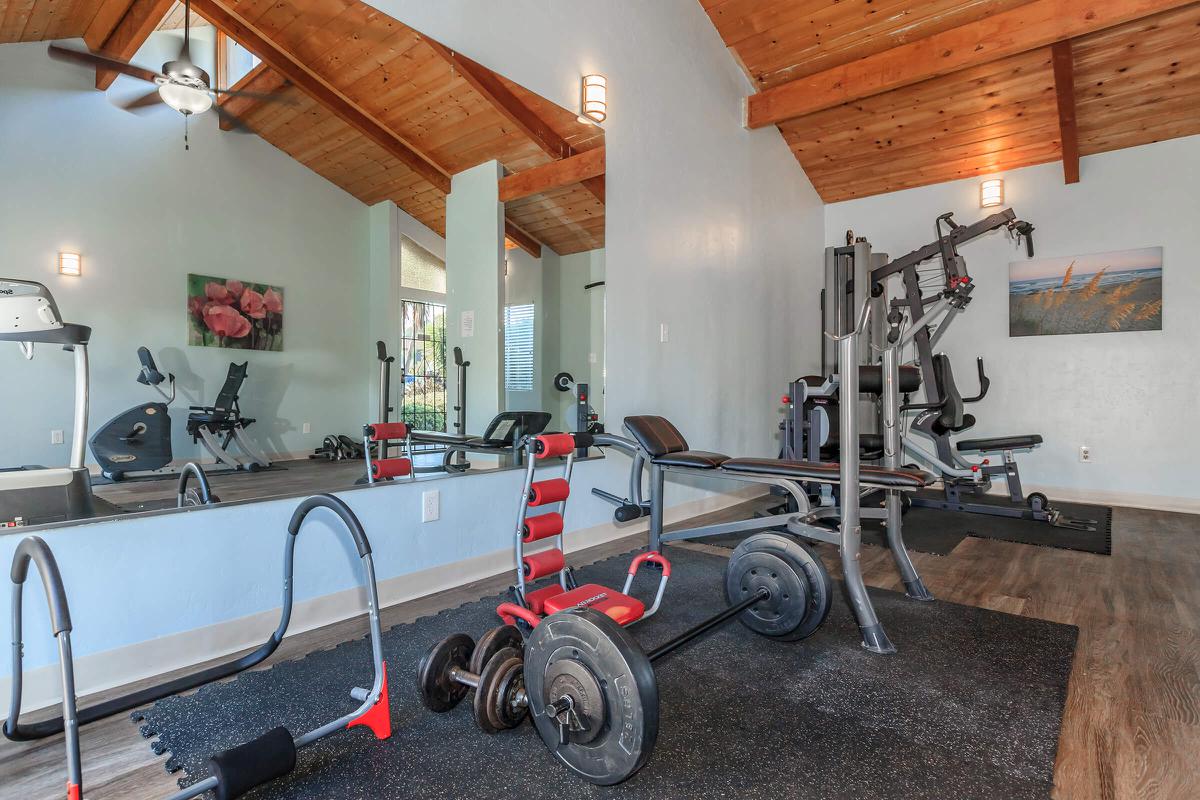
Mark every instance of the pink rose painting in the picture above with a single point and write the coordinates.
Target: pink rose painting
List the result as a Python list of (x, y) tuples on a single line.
[(231, 313)]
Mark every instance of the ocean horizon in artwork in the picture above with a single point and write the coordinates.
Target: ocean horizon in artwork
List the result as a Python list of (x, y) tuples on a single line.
[(1099, 293)]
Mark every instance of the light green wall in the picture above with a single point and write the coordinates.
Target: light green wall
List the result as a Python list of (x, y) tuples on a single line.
[(475, 284), (522, 285), (574, 331)]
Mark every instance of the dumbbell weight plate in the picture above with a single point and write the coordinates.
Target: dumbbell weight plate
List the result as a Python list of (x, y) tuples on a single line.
[(493, 642), (440, 692), (487, 695), (584, 655), (801, 592), (510, 706)]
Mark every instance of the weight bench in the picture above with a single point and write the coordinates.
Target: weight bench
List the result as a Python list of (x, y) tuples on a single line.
[(501, 436), (659, 444)]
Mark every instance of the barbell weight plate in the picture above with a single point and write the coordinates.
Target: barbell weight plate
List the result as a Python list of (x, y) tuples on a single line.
[(440, 692), (495, 704), (584, 655), (801, 591), (493, 642), (563, 381)]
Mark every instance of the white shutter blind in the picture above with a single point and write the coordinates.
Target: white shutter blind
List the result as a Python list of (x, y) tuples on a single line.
[(518, 348)]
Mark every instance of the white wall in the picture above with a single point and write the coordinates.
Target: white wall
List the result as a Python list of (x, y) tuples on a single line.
[(76, 172), (523, 285), (1128, 396)]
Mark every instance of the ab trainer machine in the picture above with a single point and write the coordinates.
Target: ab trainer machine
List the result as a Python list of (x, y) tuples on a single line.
[(586, 682), (240, 769)]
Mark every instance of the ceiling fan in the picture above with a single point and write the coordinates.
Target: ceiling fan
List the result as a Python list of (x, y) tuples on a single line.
[(180, 84)]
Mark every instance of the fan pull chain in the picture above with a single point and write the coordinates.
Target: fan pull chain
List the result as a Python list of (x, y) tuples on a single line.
[(186, 146)]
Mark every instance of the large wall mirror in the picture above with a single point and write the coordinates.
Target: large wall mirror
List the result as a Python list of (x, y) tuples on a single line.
[(354, 223)]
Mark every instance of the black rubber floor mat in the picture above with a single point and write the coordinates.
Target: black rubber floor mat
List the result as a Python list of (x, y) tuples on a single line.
[(1024, 531), (970, 707)]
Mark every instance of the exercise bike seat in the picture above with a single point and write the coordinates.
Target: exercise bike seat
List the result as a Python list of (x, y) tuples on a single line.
[(621, 608)]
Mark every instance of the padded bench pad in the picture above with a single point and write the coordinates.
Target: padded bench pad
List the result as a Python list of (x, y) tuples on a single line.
[(999, 443), (622, 608), (808, 470), (698, 459)]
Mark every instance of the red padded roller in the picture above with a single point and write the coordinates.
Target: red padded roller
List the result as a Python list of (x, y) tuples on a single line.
[(390, 468), (542, 526), (555, 444), (551, 491), (539, 565), (385, 431)]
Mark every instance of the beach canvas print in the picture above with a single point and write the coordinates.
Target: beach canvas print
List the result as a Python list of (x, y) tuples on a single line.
[(1100, 293), (223, 312)]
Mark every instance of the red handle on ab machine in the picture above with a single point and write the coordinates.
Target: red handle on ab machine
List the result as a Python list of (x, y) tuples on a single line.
[(657, 558), (511, 612)]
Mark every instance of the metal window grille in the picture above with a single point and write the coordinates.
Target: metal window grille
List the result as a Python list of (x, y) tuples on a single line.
[(423, 360)]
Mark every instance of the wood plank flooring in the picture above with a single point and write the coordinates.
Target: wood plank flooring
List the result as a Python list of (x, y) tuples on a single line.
[(1131, 726)]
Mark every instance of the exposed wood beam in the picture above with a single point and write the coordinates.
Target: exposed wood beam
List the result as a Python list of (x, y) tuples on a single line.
[(102, 25), (486, 82), (1064, 90), (522, 239), (1036, 24), (226, 18), (221, 61), (565, 172), (140, 19)]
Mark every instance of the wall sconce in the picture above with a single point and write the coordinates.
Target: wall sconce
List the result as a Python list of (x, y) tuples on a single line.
[(991, 193), (595, 98), (70, 264)]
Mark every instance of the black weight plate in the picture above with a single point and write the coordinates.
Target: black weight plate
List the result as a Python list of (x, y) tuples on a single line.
[(801, 592), (439, 691), (510, 706), (493, 642), (575, 651), (563, 381), (497, 704)]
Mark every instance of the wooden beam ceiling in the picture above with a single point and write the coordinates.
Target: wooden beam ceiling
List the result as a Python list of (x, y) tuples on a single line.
[(224, 15), (139, 20), (1064, 93), (488, 84), (575, 169), (1036, 24), (522, 239)]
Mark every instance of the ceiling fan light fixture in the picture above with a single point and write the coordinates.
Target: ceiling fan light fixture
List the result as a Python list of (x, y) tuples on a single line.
[(185, 99)]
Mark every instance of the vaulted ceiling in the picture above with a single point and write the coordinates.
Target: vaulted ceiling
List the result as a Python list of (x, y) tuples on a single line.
[(371, 105), (878, 95)]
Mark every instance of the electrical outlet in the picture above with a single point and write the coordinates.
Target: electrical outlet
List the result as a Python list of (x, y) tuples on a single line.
[(663, 332), (431, 506), (56, 436), (307, 427), (1085, 454)]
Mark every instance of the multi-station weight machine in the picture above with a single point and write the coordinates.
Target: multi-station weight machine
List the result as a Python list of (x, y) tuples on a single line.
[(913, 304)]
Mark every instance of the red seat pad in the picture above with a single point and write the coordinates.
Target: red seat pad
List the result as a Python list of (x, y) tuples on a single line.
[(622, 608), (536, 600)]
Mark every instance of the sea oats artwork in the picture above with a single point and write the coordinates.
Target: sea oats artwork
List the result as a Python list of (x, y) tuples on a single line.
[(223, 312), (1099, 293)]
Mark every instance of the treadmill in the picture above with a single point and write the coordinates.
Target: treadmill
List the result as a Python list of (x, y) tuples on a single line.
[(32, 495)]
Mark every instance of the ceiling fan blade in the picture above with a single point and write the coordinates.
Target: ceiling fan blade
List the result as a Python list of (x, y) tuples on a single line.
[(103, 62), (274, 97), (235, 123), (150, 98)]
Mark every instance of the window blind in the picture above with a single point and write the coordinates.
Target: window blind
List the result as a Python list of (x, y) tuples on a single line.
[(518, 348)]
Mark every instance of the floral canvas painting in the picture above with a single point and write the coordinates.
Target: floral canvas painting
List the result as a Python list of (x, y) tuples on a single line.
[(1099, 293), (231, 313)]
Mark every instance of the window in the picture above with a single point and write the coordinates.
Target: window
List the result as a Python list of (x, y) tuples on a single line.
[(421, 269), (518, 348)]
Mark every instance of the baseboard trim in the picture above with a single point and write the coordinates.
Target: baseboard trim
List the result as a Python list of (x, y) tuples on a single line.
[(1151, 502), (110, 669)]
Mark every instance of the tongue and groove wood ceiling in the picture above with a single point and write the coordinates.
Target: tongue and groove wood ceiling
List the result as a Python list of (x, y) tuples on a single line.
[(873, 96), (371, 105)]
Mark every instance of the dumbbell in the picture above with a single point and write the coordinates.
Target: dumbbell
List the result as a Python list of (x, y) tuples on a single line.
[(494, 668)]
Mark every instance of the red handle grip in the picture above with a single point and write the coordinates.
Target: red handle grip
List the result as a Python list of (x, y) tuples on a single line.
[(511, 612), (554, 444), (542, 564), (542, 526), (657, 558), (384, 431), (550, 491), (390, 468)]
